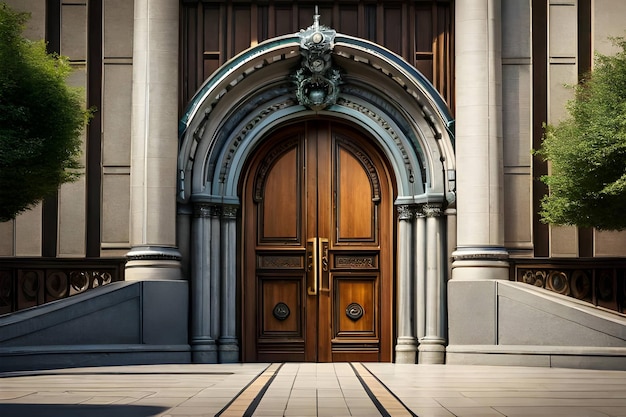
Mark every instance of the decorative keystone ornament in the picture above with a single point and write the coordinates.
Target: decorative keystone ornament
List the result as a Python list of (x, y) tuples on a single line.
[(317, 82)]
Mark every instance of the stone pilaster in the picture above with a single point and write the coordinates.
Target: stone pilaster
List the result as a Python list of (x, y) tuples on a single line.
[(406, 346), (420, 273), (432, 345), (203, 346), (228, 345), (154, 145)]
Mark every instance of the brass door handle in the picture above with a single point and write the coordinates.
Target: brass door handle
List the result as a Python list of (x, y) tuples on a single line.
[(312, 268), (317, 265), (323, 256)]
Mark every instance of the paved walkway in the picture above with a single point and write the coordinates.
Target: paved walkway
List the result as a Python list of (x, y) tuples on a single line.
[(303, 389)]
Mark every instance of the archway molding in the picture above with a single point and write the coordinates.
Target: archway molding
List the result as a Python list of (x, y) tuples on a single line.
[(253, 94)]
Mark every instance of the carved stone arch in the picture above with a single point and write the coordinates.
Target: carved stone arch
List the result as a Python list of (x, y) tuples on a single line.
[(241, 98)]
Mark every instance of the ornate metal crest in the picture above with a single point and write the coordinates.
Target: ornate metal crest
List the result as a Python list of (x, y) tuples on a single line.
[(317, 82)]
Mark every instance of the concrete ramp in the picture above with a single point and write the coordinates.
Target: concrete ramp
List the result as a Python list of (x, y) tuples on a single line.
[(121, 323), (526, 325)]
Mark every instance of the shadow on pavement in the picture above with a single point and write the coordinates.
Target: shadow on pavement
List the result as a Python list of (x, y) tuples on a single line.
[(78, 410)]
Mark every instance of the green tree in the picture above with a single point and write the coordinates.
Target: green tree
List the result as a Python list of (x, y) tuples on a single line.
[(587, 151), (41, 119)]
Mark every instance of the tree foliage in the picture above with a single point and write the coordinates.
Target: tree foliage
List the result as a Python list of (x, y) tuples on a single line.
[(41, 119), (587, 151)]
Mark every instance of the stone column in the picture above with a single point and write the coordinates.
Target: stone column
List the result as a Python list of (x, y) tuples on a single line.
[(407, 344), (420, 275), (228, 346), (154, 146), (480, 259), (480, 250), (203, 347), (432, 345), (215, 272)]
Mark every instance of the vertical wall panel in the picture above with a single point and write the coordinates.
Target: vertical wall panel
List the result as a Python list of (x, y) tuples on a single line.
[(394, 30), (562, 71), (71, 199), (517, 126), (424, 40), (608, 21), (240, 27), (211, 45), (7, 230), (116, 108), (74, 31), (28, 233), (118, 20), (283, 20), (348, 20), (72, 219), (115, 218)]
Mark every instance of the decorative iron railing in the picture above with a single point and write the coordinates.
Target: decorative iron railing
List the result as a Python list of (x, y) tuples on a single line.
[(601, 282), (28, 282)]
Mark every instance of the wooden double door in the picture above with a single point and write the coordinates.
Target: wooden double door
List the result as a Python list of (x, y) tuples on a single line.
[(317, 254)]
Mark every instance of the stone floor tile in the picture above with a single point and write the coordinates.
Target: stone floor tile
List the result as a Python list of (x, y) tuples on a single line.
[(332, 412), (300, 412), (474, 412), (301, 392), (531, 411), (365, 412), (329, 393), (448, 402), (431, 412)]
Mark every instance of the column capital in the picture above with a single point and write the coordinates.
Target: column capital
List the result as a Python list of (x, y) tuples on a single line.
[(229, 211), (405, 211), (432, 210), (207, 210)]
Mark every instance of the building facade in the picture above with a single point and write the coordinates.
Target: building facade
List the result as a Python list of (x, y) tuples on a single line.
[(327, 181)]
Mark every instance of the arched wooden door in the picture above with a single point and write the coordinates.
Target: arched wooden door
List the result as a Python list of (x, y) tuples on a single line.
[(318, 231)]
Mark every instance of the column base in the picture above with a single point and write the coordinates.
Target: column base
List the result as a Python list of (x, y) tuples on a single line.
[(480, 263), (432, 351), (406, 350), (153, 263), (228, 350), (203, 351)]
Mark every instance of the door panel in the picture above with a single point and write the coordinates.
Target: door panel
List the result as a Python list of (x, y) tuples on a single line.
[(355, 211), (317, 222), (278, 193), (355, 312), (281, 198)]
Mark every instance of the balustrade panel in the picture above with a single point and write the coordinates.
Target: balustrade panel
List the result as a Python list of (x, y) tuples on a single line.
[(27, 283)]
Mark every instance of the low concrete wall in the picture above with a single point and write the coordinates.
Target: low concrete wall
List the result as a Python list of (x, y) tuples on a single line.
[(122, 323), (508, 323)]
